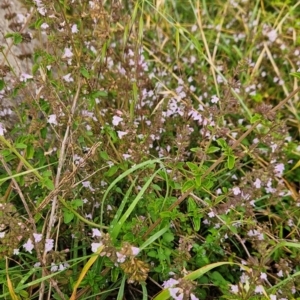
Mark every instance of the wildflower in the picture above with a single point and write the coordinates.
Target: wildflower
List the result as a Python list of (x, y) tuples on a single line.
[(68, 78), (193, 297), (37, 237), (211, 214), (16, 252), (44, 26), (116, 120), (280, 273), (67, 53), (259, 289), (54, 267), (273, 297), (135, 250), (173, 293), (170, 283), (236, 191), (257, 183), (95, 246), (96, 232), (49, 245), (279, 168), (74, 28), (87, 184), (28, 246), (121, 257), (25, 76), (126, 156), (263, 276), (52, 119), (214, 99), (234, 289), (121, 133)]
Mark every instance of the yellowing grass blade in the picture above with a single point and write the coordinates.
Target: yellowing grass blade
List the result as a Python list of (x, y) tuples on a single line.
[(85, 270), (9, 284)]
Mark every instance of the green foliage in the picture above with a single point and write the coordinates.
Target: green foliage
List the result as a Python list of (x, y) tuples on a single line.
[(149, 139)]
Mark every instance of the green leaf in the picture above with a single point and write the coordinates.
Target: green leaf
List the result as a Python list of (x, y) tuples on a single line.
[(212, 149), (85, 73), (222, 143), (230, 162), (2, 84), (296, 74), (97, 94), (112, 170), (48, 183), (198, 180), (104, 155), (188, 185), (68, 217), (168, 237), (29, 151), (193, 167), (16, 36), (255, 118), (21, 146)]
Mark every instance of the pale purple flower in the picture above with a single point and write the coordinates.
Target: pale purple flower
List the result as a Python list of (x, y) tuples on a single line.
[(259, 289), (95, 246), (68, 78), (121, 134), (28, 246), (37, 237), (211, 214), (234, 289), (54, 267), (52, 119), (2, 129), (170, 283), (49, 245), (121, 257), (236, 190), (214, 99), (44, 26), (25, 76), (135, 251), (87, 184), (96, 232), (279, 168), (263, 276), (67, 53), (257, 183), (74, 28), (2, 234), (116, 120), (193, 297), (280, 273)]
